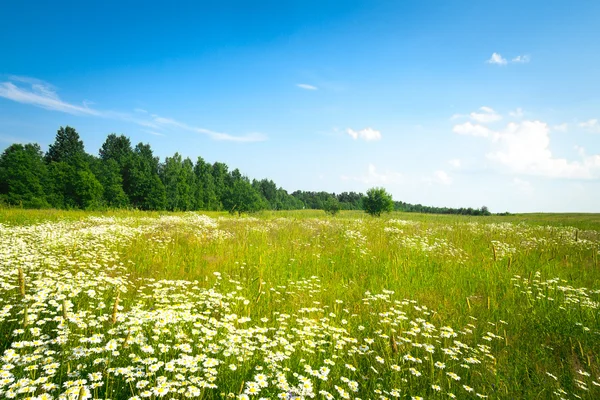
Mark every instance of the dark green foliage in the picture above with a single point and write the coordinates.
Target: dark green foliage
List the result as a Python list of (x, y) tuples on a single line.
[(205, 195), (332, 206), (60, 177), (23, 176), (220, 178), (378, 201), (71, 182), (67, 147), (180, 183), (87, 191), (407, 207), (145, 189), (66, 177), (116, 148), (112, 182), (241, 196)]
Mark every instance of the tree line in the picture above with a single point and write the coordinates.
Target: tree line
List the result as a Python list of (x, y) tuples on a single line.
[(126, 176)]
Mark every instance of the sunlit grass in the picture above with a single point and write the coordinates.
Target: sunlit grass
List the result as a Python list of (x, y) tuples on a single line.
[(297, 304)]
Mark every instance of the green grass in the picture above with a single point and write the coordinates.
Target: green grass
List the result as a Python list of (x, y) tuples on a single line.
[(319, 271)]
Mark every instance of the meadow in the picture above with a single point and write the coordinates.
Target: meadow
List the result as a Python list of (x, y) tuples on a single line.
[(298, 305)]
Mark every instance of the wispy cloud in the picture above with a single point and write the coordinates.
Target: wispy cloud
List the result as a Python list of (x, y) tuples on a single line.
[(485, 115), (306, 86), (374, 177), (561, 127), (592, 125), (455, 163), (41, 94), (497, 59), (442, 177), (44, 96), (521, 59), (367, 134), (523, 186), (518, 113), (470, 129), (153, 132), (251, 137)]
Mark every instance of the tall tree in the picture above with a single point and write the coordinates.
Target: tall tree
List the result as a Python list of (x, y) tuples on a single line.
[(116, 148), (23, 176), (72, 183), (241, 196), (145, 190), (187, 186), (169, 174), (206, 197), (67, 147), (112, 182), (221, 179)]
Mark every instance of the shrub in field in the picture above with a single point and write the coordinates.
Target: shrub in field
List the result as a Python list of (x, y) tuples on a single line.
[(378, 200), (332, 206)]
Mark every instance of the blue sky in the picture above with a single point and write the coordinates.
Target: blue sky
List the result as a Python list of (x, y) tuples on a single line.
[(463, 103)]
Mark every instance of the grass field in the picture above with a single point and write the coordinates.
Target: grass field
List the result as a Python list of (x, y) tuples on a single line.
[(291, 305)]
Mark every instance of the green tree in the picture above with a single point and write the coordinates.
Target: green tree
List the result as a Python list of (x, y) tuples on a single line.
[(67, 147), (59, 185), (205, 195), (378, 201), (145, 188), (241, 196), (23, 176), (169, 174), (222, 182), (112, 182), (180, 181), (116, 148), (332, 206), (87, 191)]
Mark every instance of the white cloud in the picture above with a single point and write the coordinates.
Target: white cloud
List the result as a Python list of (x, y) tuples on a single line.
[(521, 59), (560, 128), (373, 177), (497, 59), (524, 148), (523, 186), (591, 125), (442, 177), (485, 116), (44, 95), (518, 113), (140, 110), (251, 137), (153, 132), (306, 86), (367, 134), (455, 163), (471, 129)]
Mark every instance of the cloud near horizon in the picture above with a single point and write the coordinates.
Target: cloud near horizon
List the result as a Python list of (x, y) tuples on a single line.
[(524, 148), (374, 177), (41, 94)]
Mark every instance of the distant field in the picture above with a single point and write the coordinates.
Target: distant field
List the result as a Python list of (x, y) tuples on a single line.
[(294, 305)]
